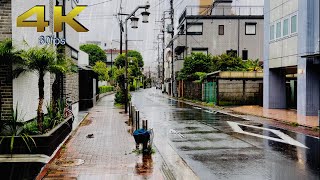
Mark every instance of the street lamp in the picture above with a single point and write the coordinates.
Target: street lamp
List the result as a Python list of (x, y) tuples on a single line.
[(145, 16), (134, 24)]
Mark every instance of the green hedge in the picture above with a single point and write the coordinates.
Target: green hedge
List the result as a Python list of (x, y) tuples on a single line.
[(104, 89)]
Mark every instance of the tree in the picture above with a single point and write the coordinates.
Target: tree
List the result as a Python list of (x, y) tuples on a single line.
[(40, 60), (120, 61), (227, 62), (64, 65), (95, 53), (138, 56), (196, 62), (101, 69)]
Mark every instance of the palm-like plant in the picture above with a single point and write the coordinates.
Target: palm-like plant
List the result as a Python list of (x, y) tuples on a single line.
[(14, 127), (253, 65), (40, 60)]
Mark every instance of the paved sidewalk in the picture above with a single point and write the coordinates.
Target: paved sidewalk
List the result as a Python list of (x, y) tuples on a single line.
[(107, 155), (289, 116)]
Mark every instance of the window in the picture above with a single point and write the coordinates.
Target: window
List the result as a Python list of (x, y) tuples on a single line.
[(285, 27), (181, 30), (200, 50), (272, 32), (233, 53), (278, 30), (251, 28), (294, 24), (194, 28), (221, 29), (244, 54)]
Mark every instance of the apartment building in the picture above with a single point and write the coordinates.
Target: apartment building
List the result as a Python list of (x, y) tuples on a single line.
[(291, 56)]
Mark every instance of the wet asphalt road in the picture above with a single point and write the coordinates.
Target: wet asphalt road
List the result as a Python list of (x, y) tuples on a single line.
[(207, 141)]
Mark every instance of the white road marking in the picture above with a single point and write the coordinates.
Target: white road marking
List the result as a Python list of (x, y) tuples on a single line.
[(284, 138), (211, 112), (172, 131)]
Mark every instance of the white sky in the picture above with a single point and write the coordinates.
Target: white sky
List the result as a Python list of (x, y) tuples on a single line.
[(104, 26)]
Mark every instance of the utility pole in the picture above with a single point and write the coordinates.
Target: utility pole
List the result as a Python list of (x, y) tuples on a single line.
[(163, 45), (121, 30), (159, 60), (172, 34), (111, 58)]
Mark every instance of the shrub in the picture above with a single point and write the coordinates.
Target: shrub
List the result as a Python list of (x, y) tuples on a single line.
[(31, 128), (120, 98), (104, 89), (132, 87)]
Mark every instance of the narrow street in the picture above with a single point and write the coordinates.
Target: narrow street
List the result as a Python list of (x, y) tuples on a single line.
[(218, 146)]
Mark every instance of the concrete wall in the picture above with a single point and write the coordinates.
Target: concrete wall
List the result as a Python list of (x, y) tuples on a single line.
[(25, 87), (233, 92), (83, 58), (190, 90)]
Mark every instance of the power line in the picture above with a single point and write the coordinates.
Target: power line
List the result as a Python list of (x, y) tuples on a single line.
[(99, 3)]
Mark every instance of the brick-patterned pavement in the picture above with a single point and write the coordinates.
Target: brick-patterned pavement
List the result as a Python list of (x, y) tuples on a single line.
[(108, 155)]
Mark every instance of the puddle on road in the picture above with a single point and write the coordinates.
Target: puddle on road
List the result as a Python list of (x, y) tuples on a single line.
[(199, 132), (188, 148), (69, 162), (259, 131), (86, 122), (192, 128)]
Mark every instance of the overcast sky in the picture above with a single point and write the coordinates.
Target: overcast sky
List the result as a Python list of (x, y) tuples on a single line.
[(99, 17)]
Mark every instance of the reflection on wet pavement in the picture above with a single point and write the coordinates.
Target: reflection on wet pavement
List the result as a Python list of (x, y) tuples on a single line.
[(146, 167), (212, 149)]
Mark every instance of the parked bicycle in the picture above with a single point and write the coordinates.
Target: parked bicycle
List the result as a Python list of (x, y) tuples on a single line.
[(68, 109)]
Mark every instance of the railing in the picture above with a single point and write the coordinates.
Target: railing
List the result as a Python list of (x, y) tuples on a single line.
[(222, 11)]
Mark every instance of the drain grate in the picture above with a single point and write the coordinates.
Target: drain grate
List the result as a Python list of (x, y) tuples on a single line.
[(69, 162)]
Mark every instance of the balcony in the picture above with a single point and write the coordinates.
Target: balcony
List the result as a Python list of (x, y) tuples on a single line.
[(221, 11)]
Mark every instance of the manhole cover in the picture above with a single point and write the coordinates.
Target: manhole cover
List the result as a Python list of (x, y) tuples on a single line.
[(69, 162)]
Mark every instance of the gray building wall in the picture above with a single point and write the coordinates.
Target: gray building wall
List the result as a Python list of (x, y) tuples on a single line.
[(308, 68), (287, 52)]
